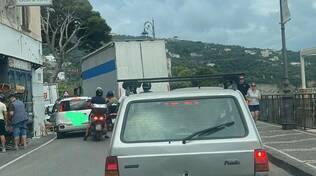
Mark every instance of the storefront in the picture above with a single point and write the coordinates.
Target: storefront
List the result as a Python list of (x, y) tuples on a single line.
[(16, 72)]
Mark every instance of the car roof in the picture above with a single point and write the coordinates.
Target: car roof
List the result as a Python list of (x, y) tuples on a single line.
[(185, 93), (75, 98)]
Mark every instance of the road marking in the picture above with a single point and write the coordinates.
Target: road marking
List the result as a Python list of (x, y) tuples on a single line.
[(292, 141), (310, 161), (272, 131), (274, 125), (300, 150), (280, 135), (269, 124), (309, 133), (290, 156), (26, 154)]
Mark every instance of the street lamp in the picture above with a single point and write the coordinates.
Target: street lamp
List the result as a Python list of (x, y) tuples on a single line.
[(149, 25), (287, 99)]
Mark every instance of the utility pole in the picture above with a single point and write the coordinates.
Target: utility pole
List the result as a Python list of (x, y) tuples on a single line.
[(154, 33)]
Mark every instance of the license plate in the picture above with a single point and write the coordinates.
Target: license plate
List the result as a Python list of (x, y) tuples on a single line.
[(98, 127)]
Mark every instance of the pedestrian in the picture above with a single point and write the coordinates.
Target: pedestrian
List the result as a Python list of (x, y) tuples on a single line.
[(243, 87), (19, 120), (66, 94), (3, 118), (253, 97)]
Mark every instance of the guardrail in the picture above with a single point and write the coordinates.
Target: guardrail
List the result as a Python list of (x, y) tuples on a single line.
[(304, 109)]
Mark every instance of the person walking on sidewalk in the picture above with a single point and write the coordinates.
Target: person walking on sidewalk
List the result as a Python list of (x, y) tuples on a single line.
[(19, 120), (3, 118), (253, 96), (243, 87)]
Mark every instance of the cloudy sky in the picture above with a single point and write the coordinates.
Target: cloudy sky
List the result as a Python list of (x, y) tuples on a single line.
[(250, 23)]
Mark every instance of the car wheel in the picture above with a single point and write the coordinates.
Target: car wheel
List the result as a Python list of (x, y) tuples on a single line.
[(60, 135)]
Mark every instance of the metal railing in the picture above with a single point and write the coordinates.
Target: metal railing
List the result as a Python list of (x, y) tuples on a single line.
[(304, 106)]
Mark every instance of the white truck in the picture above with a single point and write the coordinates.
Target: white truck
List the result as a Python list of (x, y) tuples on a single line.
[(124, 60)]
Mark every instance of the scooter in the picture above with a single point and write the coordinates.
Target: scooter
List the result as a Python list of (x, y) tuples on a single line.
[(98, 121), (98, 126), (112, 113)]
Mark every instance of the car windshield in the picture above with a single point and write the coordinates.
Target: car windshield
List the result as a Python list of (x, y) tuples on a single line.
[(180, 118), (75, 105)]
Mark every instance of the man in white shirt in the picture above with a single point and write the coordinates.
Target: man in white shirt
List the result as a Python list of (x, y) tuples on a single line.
[(3, 117)]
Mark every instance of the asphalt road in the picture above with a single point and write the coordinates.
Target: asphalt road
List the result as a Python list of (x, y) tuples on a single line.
[(72, 157)]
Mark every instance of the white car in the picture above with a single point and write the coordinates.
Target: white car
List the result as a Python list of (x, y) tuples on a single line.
[(71, 115), (186, 133)]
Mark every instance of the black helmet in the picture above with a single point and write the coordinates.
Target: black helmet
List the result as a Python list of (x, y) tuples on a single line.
[(99, 92), (146, 87), (109, 94)]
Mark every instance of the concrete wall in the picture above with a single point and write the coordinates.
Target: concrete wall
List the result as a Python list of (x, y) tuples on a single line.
[(18, 45), (11, 16)]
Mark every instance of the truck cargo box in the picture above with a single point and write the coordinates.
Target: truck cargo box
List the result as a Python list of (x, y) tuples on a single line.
[(125, 60)]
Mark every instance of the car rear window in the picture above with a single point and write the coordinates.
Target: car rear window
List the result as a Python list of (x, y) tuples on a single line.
[(170, 120), (75, 105)]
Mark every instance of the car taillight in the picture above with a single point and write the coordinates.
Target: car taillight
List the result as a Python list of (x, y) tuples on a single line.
[(261, 161), (95, 118), (101, 118), (61, 126), (111, 166)]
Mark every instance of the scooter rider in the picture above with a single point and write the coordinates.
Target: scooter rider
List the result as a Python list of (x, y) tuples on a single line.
[(96, 100), (110, 98), (146, 87), (112, 105)]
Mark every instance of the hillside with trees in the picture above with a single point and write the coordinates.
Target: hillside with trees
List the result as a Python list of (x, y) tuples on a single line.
[(260, 65)]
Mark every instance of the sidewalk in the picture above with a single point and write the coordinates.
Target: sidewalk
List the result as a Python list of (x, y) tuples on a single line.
[(293, 149), (32, 144)]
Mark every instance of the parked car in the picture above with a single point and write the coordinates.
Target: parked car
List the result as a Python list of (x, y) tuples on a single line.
[(48, 112), (189, 132), (71, 115)]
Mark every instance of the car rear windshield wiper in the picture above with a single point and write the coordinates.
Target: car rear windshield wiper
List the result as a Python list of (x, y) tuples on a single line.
[(208, 131)]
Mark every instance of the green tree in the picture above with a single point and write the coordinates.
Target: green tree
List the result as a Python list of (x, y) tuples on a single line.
[(70, 25)]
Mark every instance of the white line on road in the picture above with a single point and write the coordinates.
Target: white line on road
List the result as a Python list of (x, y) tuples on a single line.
[(290, 156), (26, 154), (300, 150), (310, 161), (309, 133), (280, 135), (291, 141)]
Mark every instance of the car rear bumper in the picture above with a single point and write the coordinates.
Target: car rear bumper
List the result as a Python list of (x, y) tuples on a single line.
[(71, 128), (262, 174)]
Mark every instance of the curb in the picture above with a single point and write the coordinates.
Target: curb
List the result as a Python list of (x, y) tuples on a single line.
[(289, 164)]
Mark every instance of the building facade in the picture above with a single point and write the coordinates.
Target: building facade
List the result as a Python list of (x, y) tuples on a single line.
[(21, 57)]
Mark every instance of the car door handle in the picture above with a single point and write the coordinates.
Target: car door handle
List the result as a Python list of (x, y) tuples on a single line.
[(134, 166)]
